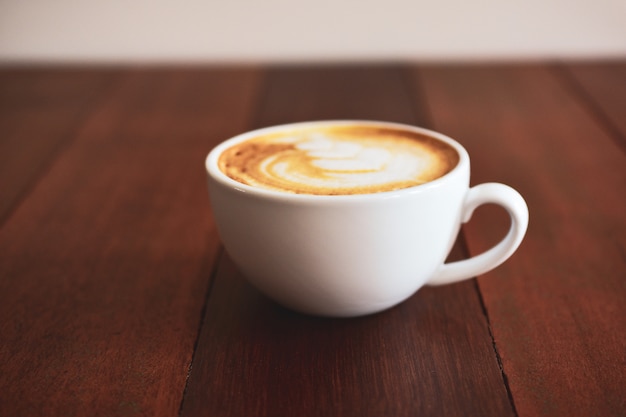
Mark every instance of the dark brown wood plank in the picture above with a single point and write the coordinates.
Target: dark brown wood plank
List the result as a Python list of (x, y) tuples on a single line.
[(357, 92), (432, 355), (601, 86), (39, 110), (105, 266), (556, 308)]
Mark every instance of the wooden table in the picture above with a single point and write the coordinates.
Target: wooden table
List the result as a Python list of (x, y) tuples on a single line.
[(116, 298)]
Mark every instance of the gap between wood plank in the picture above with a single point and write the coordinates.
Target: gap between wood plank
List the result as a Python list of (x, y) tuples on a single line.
[(505, 378), (587, 101), (420, 105), (102, 259), (347, 105), (552, 306), (216, 266), (256, 114), (252, 121), (63, 144)]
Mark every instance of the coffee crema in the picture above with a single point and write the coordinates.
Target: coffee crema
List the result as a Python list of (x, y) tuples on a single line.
[(338, 160)]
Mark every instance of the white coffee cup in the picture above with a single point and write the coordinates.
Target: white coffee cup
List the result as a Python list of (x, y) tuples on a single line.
[(350, 255)]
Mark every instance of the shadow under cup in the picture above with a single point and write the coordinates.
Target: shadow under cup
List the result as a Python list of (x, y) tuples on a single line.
[(349, 255)]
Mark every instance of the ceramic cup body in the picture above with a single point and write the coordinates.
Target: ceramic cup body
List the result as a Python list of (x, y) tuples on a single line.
[(349, 255)]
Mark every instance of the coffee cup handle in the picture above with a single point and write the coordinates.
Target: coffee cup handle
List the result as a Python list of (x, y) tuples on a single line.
[(512, 201)]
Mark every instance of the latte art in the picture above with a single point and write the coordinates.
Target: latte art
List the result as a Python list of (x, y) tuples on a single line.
[(338, 160)]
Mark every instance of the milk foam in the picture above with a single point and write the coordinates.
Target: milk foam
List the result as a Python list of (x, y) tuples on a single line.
[(352, 160)]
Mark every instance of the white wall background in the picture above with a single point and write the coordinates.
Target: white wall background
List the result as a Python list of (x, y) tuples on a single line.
[(304, 30)]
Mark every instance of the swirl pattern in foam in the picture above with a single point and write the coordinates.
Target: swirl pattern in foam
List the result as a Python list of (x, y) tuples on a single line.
[(338, 160)]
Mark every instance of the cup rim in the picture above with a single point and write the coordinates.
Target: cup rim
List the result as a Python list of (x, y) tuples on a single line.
[(212, 168)]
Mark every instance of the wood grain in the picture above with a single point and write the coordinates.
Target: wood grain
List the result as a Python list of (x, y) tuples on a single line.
[(601, 88), (39, 112), (339, 92), (432, 355), (116, 299), (106, 264), (556, 308)]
